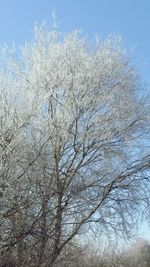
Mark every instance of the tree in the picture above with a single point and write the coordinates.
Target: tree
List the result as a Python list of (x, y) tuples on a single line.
[(72, 140), (139, 253)]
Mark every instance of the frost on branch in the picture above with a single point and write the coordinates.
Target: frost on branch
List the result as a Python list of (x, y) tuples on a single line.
[(73, 145)]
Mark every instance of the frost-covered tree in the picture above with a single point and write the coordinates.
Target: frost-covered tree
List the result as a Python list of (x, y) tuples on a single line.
[(73, 145)]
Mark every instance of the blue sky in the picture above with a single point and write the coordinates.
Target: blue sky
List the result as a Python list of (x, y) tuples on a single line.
[(130, 18)]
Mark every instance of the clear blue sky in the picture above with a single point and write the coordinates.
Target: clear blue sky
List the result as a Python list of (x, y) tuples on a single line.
[(130, 18)]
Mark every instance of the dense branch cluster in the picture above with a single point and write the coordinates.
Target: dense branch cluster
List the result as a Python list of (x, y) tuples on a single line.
[(73, 145)]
